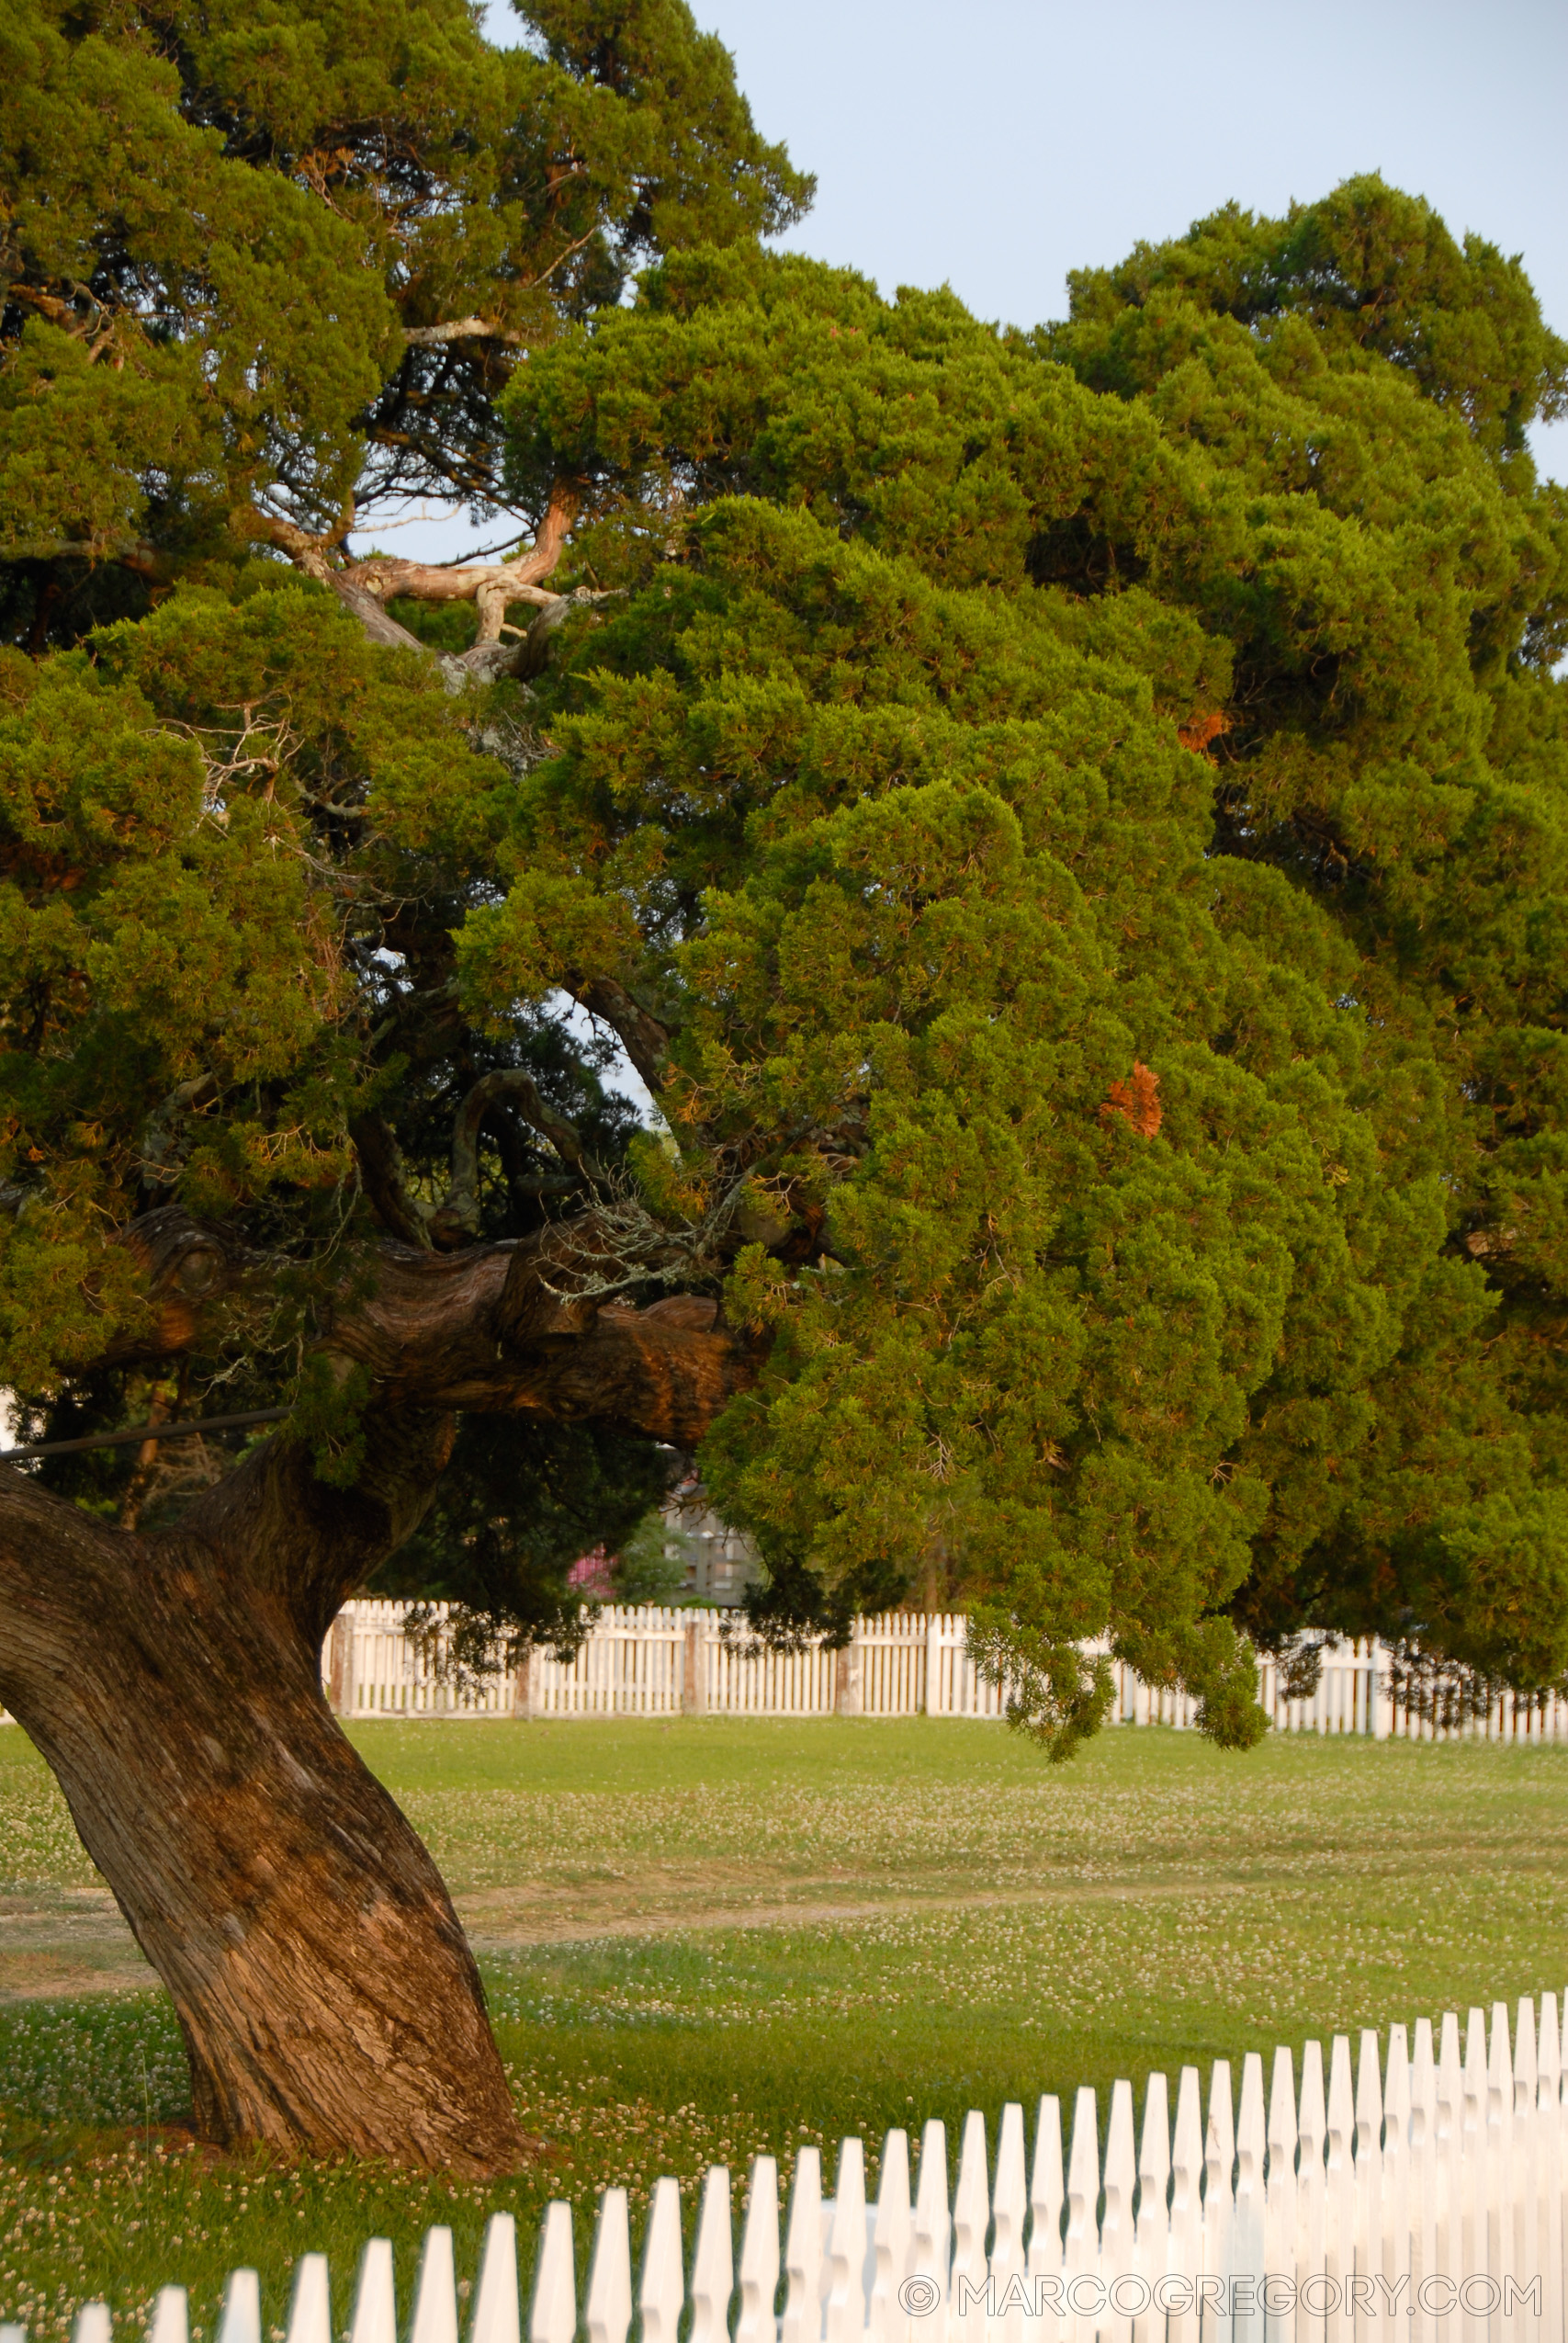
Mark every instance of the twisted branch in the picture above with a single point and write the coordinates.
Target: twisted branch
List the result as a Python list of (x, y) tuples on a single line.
[(459, 1213)]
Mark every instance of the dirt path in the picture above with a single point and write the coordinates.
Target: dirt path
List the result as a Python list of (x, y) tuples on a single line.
[(56, 1946), (493, 1927), (61, 1946)]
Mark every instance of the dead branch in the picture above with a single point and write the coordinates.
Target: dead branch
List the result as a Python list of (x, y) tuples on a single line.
[(460, 329), (366, 587)]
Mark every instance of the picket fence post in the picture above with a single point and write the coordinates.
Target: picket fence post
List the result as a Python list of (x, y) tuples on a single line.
[(759, 2258), (1046, 2194), (713, 2262), (341, 1677), (553, 2317), (694, 1679), (496, 2306), (932, 1700)]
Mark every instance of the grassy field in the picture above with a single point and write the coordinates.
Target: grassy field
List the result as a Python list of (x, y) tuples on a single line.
[(704, 1938)]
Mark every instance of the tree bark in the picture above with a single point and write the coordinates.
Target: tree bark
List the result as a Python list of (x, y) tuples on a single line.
[(366, 587), (327, 1997), (326, 1993)]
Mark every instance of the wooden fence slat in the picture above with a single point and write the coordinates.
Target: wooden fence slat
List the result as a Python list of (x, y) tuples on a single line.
[(971, 2214), (845, 2307), (1392, 2263), (803, 2253), (1046, 2194), (1449, 2213), (1009, 2204), (375, 2297), (759, 2258), (662, 2294), (435, 2303), (1280, 2203), (713, 2262), (932, 2252), (497, 2317), (1151, 2236), (242, 2308), (1421, 2195), (170, 2314), (608, 2314), (1118, 2239), (552, 2317), (1339, 2196), (309, 2313), (1523, 2148), (1499, 2158), (1365, 2322), (1312, 2199), (1247, 2264), (886, 2319), (1553, 2214), (1219, 2203), (1186, 2237), (1473, 2143), (1080, 2258)]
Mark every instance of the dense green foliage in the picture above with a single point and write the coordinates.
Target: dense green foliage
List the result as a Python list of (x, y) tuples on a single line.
[(504, 1561), (220, 225), (1086, 809), (1168, 691), (224, 229)]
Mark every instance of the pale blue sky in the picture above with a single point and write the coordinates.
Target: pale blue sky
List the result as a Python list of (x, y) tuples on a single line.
[(997, 144)]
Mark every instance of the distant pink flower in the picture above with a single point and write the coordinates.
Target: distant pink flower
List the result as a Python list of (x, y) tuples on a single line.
[(589, 1576)]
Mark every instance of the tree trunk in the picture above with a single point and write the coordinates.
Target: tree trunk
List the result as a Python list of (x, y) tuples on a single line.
[(327, 1997), (328, 2000)]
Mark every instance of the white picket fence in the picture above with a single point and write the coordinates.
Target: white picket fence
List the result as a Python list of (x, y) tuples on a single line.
[(652, 1662), (1427, 2203)]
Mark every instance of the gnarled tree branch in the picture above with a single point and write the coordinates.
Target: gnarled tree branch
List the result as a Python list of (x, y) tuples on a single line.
[(490, 586), (381, 576), (640, 1034), (461, 328), (405, 1216), (459, 1213), (545, 1324), (366, 587)]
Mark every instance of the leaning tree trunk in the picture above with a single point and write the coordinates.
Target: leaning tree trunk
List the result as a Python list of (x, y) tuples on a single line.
[(328, 2000), (327, 1996)]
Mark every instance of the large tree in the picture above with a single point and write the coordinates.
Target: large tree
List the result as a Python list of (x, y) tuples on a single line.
[(1069, 828), (266, 269)]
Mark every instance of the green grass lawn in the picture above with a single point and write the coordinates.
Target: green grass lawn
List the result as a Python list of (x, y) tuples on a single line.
[(703, 1939)]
